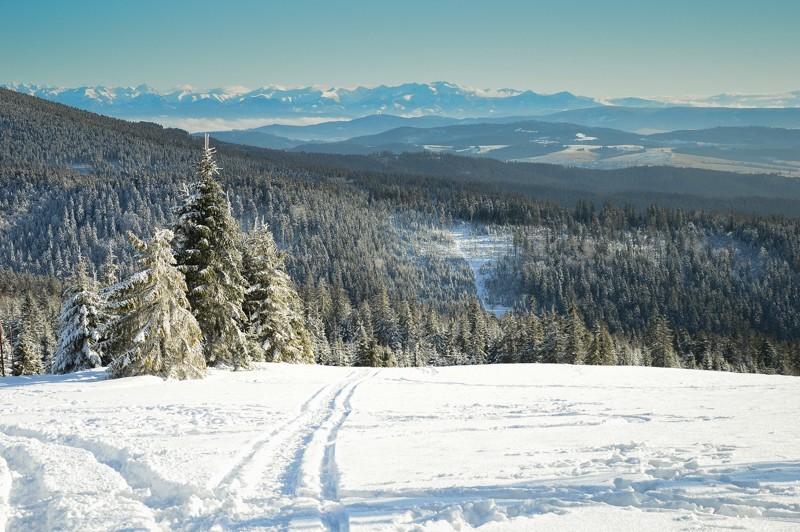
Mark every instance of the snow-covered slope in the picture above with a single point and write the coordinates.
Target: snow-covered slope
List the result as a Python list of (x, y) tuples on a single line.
[(481, 247), (498, 447)]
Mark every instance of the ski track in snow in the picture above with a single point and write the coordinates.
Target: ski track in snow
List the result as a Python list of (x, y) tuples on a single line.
[(289, 477)]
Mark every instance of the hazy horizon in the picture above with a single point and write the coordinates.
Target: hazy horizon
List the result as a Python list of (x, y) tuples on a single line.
[(618, 48), (690, 99)]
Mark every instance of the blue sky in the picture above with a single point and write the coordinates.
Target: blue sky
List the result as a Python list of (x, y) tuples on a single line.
[(596, 48)]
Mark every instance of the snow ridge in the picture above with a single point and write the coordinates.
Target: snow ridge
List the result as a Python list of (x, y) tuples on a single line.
[(5, 493), (38, 469)]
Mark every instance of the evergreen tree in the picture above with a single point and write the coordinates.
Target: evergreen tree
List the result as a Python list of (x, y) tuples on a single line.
[(3, 351), (385, 321), (575, 335), (601, 350), (341, 311), (321, 347), (106, 314), (553, 340), (276, 324), (662, 352), (154, 332), (768, 358), (533, 337), (78, 336), (512, 346), (207, 247), (25, 359), (388, 360), (364, 353), (110, 270), (409, 335), (478, 334), (340, 354)]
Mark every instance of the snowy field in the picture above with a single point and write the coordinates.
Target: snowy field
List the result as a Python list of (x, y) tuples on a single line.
[(525, 447)]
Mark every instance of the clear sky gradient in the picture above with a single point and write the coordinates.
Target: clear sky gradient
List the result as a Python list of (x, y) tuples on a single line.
[(596, 48)]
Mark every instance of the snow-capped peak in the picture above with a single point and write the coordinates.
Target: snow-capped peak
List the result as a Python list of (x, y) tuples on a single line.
[(275, 101)]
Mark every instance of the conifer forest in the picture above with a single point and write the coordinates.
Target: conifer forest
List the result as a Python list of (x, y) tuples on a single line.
[(148, 250)]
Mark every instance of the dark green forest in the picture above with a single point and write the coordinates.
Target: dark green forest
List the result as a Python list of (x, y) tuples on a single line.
[(655, 266)]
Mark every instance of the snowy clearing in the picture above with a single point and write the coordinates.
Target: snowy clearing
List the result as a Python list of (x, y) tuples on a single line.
[(481, 247), (496, 447)]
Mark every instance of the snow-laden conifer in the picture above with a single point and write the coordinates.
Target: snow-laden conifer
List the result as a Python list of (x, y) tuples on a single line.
[(77, 339), (273, 308), (207, 249), (25, 357), (601, 349), (154, 332), (575, 334), (109, 276), (662, 352)]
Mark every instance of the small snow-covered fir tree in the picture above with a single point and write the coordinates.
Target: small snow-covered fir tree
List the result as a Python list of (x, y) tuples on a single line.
[(154, 332), (207, 249), (109, 272), (662, 352), (534, 336), (25, 358), (553, 340), (340, 353), (273, 308), (601, 350), (768, 358), (320, 345), (366, 348), (575, 350), (384, 321), (109, 276), (78, 336)]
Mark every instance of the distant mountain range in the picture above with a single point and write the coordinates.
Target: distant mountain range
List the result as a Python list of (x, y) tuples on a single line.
[(439, 99), (410, 99)]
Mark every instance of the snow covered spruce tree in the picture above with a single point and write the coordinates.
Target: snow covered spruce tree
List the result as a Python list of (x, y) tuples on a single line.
[(662, 352), (601, 349), (276, 325), (207, 249), (109, 276), (154, 332), (78, 336), (575, 350), (26, 357)]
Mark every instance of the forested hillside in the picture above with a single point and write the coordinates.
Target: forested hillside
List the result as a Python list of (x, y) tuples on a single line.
[(617, 284)]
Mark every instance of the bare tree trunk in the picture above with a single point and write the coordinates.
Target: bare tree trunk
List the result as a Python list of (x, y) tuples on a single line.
[(2, 354)]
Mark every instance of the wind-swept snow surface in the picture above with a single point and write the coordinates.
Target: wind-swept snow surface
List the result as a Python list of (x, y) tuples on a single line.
[(497, 447)]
